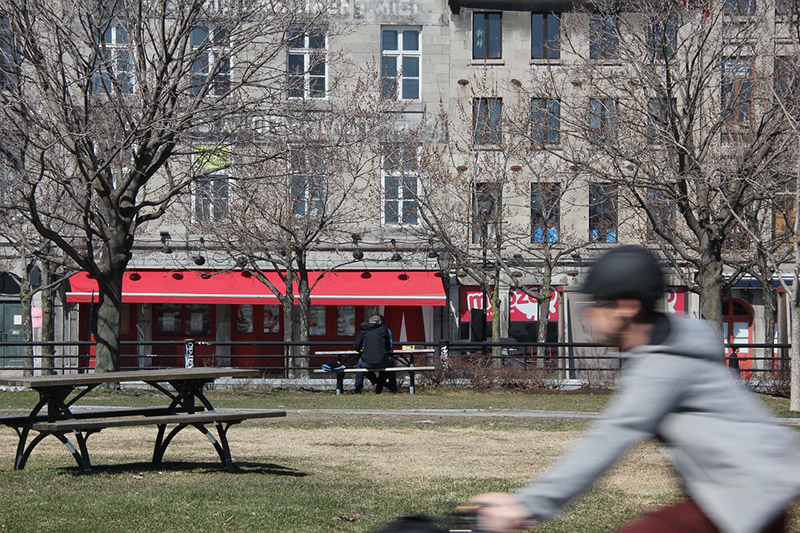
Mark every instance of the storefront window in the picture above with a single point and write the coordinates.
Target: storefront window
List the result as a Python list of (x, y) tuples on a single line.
[(316, 322), (198, 319), (346, 321), (244, 319), (272, 315), (169, 318)]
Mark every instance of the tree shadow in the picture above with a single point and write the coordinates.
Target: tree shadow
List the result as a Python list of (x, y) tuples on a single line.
[(241, 467)]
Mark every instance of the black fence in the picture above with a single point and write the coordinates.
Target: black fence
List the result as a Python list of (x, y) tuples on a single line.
[(287, 359)]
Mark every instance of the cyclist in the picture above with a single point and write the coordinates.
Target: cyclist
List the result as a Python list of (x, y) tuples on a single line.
[(740, 471)]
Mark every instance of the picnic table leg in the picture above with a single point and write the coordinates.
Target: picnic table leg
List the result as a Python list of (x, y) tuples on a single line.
[(411, 382), (339, 383)]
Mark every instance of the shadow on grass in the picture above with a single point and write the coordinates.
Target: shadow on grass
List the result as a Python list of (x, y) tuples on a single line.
[(242, 467)]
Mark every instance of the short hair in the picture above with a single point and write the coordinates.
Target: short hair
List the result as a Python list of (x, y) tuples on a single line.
[(376, 319)]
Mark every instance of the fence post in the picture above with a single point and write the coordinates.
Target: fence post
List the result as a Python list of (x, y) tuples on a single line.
[(188, 353)]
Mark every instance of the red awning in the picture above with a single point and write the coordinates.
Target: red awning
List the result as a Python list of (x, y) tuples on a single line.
[(335, 288)]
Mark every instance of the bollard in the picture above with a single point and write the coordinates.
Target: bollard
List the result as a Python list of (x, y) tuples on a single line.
[(188, 353)]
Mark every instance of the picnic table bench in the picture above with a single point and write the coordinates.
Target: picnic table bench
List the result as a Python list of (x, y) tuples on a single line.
[(409, 367), (56, 414)]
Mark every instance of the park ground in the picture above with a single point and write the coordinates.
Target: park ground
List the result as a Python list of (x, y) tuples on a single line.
[(334, 464)]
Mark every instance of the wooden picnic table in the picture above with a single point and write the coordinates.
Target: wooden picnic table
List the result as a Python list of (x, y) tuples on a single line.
[(56, 411), (408, 366)]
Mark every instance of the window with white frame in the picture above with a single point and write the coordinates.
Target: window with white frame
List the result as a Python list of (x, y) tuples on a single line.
[(306, 181), (545, 35), (114, 73), (603, 36), (306, 70), (400, 184), (545, 120), (737, 90), (486, 212), (486, 121), (210, 187), (400, 63), (603, 214), (211, 62), (545, 212)]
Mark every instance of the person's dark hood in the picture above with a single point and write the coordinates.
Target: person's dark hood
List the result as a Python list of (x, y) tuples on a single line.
[(370, 325)]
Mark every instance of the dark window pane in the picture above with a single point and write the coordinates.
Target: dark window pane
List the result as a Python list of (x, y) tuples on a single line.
[(316, 41), (537, 35), (495, 22), (389, 40), (410, 89), (390, 212), (553, 36), (411, 67), (479, 37), (199, 36), (410, 40)]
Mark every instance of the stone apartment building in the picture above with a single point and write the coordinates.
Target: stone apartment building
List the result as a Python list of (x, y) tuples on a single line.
[(522, 86)]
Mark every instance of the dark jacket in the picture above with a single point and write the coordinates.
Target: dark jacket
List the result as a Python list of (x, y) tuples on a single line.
[(374, 343)]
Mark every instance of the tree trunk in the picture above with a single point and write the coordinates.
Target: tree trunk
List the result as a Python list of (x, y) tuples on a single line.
[(794, 352), (25, 298), (304, 297), (48, 320), (709, 278), (545, 293), (107, 331)]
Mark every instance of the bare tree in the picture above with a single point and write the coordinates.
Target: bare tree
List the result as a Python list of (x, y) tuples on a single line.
[(105, 104), (301, 188), (668, 104)]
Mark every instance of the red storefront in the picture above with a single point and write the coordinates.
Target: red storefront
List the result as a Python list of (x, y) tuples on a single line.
[(523, 313), (178, 305)]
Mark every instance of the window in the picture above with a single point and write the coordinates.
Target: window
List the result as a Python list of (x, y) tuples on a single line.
[(210, 188), (307, 182), (317, 321), (787, 8), (346, 321), (785, 75), (602, 213), (545, 35), (486, 115), (272, 319), (545, 120), (486, 212), (603, 38), (400, 185), (662, 211), (545, 212), (737, 90), (739, 7), (658, 123), (602, 120), (307, 64), (115, 63), (184, 319), (400, 63), (487, 32), (662, 38), (212, 63), (9, 54)]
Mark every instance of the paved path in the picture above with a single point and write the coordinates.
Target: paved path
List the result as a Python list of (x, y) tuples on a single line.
[(507, 413)]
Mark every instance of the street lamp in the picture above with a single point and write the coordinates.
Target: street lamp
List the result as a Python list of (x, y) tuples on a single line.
[(445, 261)]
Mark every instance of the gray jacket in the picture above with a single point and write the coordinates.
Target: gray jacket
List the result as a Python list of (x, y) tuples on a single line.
[(740, 468)]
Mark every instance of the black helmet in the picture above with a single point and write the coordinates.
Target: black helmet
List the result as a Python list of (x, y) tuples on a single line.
[(626, 272)]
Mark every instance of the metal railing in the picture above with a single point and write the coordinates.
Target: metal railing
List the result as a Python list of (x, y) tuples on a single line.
[(286, 359)]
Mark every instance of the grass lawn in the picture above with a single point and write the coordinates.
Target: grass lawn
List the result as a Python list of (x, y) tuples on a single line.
[(318, 471)]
